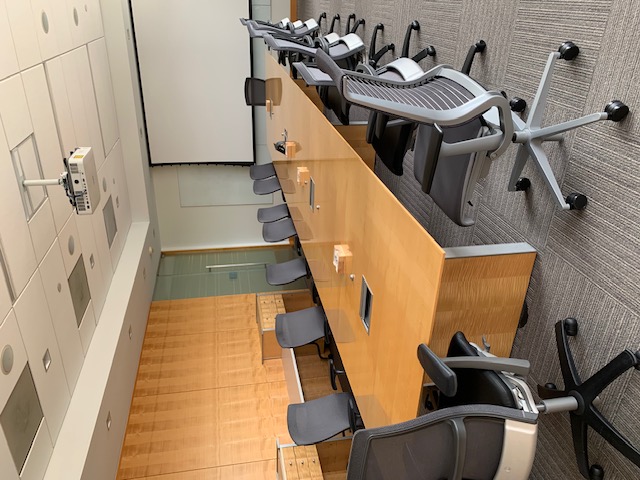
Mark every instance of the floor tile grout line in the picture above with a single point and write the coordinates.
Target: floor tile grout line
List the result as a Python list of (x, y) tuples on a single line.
[(160, 475)]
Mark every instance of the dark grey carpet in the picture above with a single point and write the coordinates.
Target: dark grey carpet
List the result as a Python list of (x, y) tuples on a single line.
[(588, 261)]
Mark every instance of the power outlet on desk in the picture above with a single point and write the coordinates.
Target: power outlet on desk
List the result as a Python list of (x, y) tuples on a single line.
[(303, 175), (342, 258)]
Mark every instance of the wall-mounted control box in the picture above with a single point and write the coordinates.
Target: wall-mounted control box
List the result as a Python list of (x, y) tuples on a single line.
[(83, 180)]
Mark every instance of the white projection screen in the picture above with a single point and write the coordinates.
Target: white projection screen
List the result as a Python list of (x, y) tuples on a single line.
[(194, 57)]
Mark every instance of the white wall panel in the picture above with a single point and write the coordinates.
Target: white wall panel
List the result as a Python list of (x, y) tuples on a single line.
[(102, 243), (61, 106), (43, 230), (52, 26), (10, 335), (46, 135), (82, 100), (120, 198), (121, 191), (39, 337), (14, 231), (5, 299), (8, 59), (86, 20), (56, 288), (87, 328), (70, 246), (23, 29), (7, 467), (26, 158), (14, 111), (104, 93)]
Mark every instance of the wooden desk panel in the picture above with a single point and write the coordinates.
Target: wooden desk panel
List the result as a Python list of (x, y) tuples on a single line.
[(404, 266)]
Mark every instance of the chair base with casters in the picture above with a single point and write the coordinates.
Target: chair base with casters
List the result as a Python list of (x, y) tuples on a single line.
[(286, 272), (273, 214), (266, 186), (579, 397), (447, 151)]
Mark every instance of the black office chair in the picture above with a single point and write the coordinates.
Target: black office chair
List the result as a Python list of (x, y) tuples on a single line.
[(463, 128), (470, 441), (583, 394)]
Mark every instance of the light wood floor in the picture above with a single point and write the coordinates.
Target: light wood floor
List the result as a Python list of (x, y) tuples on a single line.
[(204, 406)]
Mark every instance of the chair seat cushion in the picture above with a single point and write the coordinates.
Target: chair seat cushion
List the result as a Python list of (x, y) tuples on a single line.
[(278, 231), (260, 172), (286, 272), (318, 420), (273, 214), (299, 328)]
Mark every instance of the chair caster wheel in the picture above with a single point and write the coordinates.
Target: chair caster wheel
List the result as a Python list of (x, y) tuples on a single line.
[(596, 472), (571, 327), (577, 201), (517, 104), (568, 51), (523, 184), (481, 45), (431, 51), (616, 110), (550, 386)]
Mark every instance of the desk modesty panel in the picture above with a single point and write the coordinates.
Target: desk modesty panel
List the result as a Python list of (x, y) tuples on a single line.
[(418, 291)]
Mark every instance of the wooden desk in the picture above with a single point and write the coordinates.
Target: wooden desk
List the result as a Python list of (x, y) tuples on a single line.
[(421, 291)]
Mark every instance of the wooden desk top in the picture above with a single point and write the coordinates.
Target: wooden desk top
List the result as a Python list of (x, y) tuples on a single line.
[(403, 265)]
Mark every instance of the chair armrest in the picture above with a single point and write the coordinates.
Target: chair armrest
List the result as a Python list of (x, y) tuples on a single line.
[(498, 364), (439, 372)]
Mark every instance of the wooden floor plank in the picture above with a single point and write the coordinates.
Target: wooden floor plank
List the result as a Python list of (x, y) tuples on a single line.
[(204, 406)]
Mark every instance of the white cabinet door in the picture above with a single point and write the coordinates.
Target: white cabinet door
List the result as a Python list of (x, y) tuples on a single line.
[(56, 288), (44, 356)]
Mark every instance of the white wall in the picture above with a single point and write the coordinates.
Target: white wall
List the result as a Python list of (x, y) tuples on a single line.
[(56, 93), (185, 228)]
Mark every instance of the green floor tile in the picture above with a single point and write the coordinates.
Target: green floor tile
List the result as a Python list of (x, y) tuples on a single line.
[(186, 275)]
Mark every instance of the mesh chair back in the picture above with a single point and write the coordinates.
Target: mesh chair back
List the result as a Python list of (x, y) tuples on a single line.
[(454, 443)]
